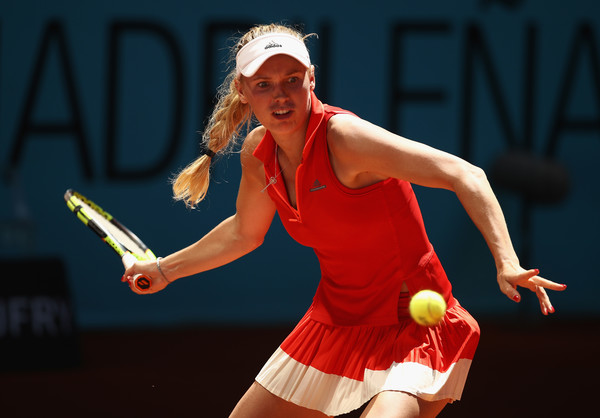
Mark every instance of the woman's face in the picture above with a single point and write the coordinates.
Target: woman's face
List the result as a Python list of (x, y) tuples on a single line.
[(279, 95)]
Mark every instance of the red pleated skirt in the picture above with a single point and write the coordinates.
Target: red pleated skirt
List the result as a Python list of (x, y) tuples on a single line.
[(336, 369)]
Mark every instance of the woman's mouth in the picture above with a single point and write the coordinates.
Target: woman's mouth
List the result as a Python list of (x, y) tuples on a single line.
[(282, 113)]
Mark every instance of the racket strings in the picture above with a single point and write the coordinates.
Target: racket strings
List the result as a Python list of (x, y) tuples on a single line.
[(120, 235)]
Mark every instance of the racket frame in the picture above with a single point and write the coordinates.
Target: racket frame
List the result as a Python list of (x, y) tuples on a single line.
[(74, 200)]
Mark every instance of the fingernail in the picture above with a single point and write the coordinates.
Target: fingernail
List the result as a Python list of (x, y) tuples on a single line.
[(564, 286), (551, 310), (123, 278), (537, 271), (516, 298)]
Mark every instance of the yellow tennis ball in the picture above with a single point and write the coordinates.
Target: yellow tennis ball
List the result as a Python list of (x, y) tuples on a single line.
[(427, 308)]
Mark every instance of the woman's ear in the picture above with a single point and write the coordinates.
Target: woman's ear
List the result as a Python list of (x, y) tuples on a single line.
[(238, 87), (312, 77)]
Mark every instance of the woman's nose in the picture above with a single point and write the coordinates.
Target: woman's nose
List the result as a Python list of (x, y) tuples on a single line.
[(279, 91)]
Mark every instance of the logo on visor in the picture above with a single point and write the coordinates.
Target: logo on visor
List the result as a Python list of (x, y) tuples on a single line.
[(273, 44)]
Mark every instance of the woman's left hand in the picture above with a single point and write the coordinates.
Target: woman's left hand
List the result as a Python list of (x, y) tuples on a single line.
[(510, 278)]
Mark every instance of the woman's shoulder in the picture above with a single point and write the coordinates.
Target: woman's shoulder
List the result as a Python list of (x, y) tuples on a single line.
[(250, 143), (253, 139), (345, 130), (340, 123)]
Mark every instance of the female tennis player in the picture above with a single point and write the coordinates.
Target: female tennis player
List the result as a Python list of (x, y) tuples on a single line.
[(342, 186)]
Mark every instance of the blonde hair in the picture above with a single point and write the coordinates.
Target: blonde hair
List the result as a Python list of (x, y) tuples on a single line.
[(223, 129)]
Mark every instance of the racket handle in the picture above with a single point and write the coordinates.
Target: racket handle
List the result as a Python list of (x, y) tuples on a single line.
[(140, 281)]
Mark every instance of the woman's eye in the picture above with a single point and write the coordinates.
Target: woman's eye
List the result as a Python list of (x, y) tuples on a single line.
[(262, 84), (293, 80)]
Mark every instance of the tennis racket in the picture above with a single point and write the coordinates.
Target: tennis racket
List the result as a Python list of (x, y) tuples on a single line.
[(124, 242)]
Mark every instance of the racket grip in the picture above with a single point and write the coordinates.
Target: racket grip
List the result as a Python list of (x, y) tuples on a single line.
[(140, 281)]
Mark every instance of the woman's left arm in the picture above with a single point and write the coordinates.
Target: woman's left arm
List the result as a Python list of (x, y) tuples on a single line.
[(363, 152)]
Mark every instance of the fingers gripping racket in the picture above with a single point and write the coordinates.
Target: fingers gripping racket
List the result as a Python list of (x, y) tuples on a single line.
[(124, 242)]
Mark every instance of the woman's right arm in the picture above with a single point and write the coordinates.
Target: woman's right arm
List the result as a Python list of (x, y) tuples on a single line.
[(234, 237)]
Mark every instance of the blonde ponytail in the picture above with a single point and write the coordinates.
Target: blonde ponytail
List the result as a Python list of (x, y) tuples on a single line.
[(220, 135)]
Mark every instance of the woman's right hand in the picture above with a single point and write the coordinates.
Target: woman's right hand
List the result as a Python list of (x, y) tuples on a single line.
[(148, 268)]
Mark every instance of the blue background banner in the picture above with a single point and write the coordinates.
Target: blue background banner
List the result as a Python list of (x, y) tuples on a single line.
[(107, 98)]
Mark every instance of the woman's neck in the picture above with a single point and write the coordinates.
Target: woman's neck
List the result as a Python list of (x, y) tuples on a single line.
[(289, 151)]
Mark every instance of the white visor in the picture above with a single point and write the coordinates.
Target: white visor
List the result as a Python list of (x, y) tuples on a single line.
[(257, 51)]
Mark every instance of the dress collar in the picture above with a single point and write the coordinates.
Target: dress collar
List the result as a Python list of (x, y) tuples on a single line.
[(266, 149)]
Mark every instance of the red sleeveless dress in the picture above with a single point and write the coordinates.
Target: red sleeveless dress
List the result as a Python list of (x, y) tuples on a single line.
[(357, 338)]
